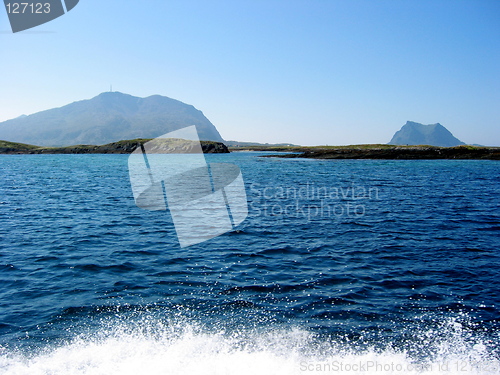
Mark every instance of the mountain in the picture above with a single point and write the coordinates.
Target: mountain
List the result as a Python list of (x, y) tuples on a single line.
[(413, 133), (108, 117)]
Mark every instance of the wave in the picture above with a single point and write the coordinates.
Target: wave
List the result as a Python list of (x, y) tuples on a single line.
[(153, 346)]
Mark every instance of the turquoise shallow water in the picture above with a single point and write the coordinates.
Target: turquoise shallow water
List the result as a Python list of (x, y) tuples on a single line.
[(339, 262)]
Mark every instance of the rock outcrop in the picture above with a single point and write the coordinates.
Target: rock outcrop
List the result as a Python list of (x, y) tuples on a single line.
[(413, 133)]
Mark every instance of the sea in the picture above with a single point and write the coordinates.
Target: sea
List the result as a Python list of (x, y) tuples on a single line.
[(340, 267)]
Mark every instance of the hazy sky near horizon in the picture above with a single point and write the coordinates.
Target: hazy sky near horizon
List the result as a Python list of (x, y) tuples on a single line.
[(305, 72)]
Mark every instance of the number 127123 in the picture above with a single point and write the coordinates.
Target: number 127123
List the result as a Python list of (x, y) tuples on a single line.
[(28, 8)]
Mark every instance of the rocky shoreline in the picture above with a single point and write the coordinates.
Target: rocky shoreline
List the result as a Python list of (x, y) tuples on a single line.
[(121, 147), (388, 152)]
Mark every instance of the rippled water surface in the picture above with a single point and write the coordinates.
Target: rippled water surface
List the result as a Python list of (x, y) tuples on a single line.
[(340, 265)]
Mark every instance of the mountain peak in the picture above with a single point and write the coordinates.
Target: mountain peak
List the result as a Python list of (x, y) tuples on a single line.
[(414, 133), (114, 94), (108, 117)]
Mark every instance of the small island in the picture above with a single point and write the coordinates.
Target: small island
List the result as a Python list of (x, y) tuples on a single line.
[(121, 147)]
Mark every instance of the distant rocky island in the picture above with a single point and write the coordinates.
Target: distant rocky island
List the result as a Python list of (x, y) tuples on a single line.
[(121, 147), (106, 118), (414, 134)]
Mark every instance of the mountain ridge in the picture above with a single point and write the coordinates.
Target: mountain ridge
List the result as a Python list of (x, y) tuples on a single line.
[(105, 118)]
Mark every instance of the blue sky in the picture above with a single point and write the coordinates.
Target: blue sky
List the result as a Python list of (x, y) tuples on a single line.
[(307, 72)]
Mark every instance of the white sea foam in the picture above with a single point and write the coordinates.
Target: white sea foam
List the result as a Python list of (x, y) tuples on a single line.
[(185, 349)]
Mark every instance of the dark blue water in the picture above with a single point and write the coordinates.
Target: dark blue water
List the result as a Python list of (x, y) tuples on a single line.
[(341, 266)]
